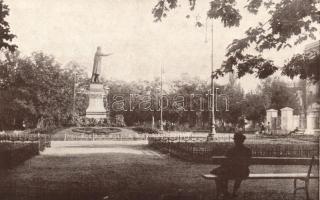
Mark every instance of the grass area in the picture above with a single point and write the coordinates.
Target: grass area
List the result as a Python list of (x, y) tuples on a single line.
[(87, 170)]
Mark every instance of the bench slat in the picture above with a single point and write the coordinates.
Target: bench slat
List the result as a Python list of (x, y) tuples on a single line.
[(269, 176)]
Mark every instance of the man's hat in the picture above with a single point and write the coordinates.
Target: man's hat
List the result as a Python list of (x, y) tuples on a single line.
[(239, 136)]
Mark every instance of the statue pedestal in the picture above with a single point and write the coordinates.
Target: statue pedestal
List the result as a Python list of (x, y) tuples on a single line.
[(96, 107)]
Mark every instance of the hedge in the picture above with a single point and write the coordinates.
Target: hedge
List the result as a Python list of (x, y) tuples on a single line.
[(17, 153), (206, 150)]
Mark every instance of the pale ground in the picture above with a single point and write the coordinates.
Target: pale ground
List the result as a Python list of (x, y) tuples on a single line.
[(127, 171)]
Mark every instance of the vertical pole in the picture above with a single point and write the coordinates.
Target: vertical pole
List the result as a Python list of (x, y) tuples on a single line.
[(161, 111), (74, 95), (152, 121), (213, 130), (39, 143)]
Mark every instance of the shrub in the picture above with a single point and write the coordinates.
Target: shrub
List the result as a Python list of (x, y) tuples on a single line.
[(148, 130), (99, 131), (12, 154), (205, 149), (91, 122)]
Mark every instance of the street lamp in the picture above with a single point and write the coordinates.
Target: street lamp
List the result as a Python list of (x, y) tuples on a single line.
[(212, 128), (149, 93)]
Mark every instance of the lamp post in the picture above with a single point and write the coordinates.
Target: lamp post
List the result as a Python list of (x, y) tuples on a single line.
[(149, 93), (161, 101), (212, 128)]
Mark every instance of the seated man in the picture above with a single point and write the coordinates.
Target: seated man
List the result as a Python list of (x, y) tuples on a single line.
[(235, 167)]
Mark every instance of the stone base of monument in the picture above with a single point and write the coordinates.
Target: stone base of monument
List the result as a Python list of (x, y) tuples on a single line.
[(96, 107)]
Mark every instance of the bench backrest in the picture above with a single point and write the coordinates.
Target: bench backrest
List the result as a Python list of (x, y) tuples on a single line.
[(310, 167)]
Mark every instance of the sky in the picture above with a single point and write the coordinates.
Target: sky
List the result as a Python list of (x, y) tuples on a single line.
[(71, 30)]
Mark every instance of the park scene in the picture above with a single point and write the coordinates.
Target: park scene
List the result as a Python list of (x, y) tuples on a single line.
[(159, 100)]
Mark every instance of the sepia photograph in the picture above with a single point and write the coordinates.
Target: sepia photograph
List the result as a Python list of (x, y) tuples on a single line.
[(159, 99)]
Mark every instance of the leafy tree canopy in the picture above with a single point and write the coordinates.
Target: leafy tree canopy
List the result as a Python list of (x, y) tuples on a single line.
[(6, 36), (290, 23), (278, 94), (35, 89)]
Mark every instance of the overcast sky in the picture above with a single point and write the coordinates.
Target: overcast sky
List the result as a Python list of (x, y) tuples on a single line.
[(71, 30)]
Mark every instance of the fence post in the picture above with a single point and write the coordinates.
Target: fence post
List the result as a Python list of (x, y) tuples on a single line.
[(39, 142), (45, 140)]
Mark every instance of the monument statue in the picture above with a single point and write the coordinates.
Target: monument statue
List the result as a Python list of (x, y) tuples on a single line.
[(97, 65), (97, 91)]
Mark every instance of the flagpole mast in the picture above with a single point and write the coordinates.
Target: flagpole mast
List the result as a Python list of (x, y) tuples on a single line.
[(74, 95), (161, 103)]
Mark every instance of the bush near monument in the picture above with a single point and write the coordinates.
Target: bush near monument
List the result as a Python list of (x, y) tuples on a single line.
[(81, 121), (98, 131), (148, 130)]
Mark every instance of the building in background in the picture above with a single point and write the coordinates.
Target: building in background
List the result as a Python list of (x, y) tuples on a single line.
[(307, 118), (312, 95), (309, 96)]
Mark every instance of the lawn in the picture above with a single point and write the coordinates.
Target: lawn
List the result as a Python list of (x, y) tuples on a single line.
[(127, 170)]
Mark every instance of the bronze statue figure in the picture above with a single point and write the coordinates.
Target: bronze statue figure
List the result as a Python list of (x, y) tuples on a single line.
[(97, 65)]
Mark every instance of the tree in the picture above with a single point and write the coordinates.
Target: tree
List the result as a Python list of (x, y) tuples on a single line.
[(236, 100), (256, 111), (278, 94), (272, 93), (35, 90), (76, 74), (304, 66), (290, 23), (193, 91), (6, 36)]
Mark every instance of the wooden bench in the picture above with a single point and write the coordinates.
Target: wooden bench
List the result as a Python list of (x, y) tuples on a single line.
[(304, 177)]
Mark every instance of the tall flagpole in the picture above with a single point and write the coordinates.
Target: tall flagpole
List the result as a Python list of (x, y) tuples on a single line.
[(161, 103), (74, 95)]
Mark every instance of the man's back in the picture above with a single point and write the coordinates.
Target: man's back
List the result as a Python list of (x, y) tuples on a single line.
[(238, 161)]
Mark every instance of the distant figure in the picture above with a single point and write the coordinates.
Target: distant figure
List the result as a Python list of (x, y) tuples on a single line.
[(97, 65), (235, 167), (296, 130), (242, 123), (172, 126), (262, 128), (167, 126), (269, 129), (239, 129)]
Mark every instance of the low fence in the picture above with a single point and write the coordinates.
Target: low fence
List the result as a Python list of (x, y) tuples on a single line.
[(197, 149), (43, 140), (96, 137)]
